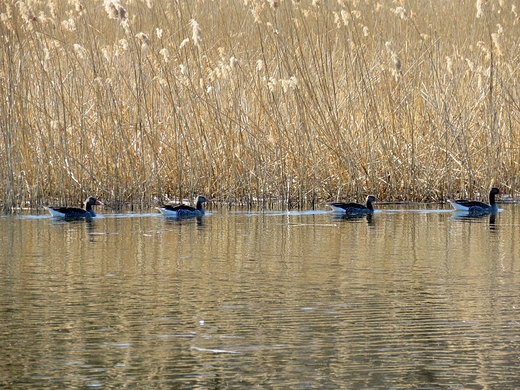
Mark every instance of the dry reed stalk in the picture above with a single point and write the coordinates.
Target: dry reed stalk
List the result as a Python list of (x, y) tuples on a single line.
[(285, 100)]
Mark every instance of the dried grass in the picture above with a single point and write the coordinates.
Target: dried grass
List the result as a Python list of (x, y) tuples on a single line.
[(252, 100)]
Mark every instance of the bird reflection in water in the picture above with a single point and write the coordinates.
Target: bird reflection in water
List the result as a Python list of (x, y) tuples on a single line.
[(184, 220), (77, 223), (477, 216), (355, 217)]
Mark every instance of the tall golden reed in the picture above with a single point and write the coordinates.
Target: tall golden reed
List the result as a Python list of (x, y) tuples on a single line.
[(253, 100)]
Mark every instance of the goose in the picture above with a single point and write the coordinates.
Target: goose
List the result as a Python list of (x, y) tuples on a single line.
[(355, 208), (75, 212), (473, 206), (184, 211)]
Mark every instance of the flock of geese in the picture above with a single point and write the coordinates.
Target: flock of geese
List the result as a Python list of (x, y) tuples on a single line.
[(179, 211), (184, 211)]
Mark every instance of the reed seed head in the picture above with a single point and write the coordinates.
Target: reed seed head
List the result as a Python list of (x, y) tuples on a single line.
[(345, 16), (471, 65), (106, 54), (53, 9), (165, 55), (401, 12), (485, 49), (482, 8), (184, 43), (80, 51), (115, 10), (69, 25), (145, 42), (27, 13), (449, 65), (496, 42), (195, 32), (5, 20), (256, 11), (143, 38)]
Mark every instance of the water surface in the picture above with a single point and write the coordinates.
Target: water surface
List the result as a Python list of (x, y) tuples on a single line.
[(413, 297)]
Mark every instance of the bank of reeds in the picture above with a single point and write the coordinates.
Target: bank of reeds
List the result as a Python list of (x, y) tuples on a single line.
[(299, 101)]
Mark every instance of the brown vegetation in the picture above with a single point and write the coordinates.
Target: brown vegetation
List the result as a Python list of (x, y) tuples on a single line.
[(248, 100)]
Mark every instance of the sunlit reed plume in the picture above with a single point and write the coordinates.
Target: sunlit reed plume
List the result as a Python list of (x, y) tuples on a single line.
[(69, 25), (53, 10), (401, 12), (449, 65), (195, 30), (145, 42), (78, 7), (115, 10), (485, 49), (256, 10), (80, 51), (396, 71), (482, 8), (165, 55), (345, 16), (27, 13), (184, 43)]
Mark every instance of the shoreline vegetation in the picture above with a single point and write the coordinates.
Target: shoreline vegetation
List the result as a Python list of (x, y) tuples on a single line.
[(140, 101)]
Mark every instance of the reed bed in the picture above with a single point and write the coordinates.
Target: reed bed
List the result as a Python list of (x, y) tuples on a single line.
[(142, 101)]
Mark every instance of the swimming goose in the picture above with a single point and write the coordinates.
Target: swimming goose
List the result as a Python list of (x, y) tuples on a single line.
[(75, 212), (355, 208), (475, 206), (184, 211)]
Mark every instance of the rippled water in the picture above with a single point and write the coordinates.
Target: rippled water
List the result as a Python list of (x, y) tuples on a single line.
[(411, 298)]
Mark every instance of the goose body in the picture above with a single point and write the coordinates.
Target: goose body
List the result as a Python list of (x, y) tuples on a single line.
[(76, 212), (184, 211), (354, 208), (474, 206)]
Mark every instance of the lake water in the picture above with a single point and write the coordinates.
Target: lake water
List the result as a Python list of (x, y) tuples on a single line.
[(414, 297)]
